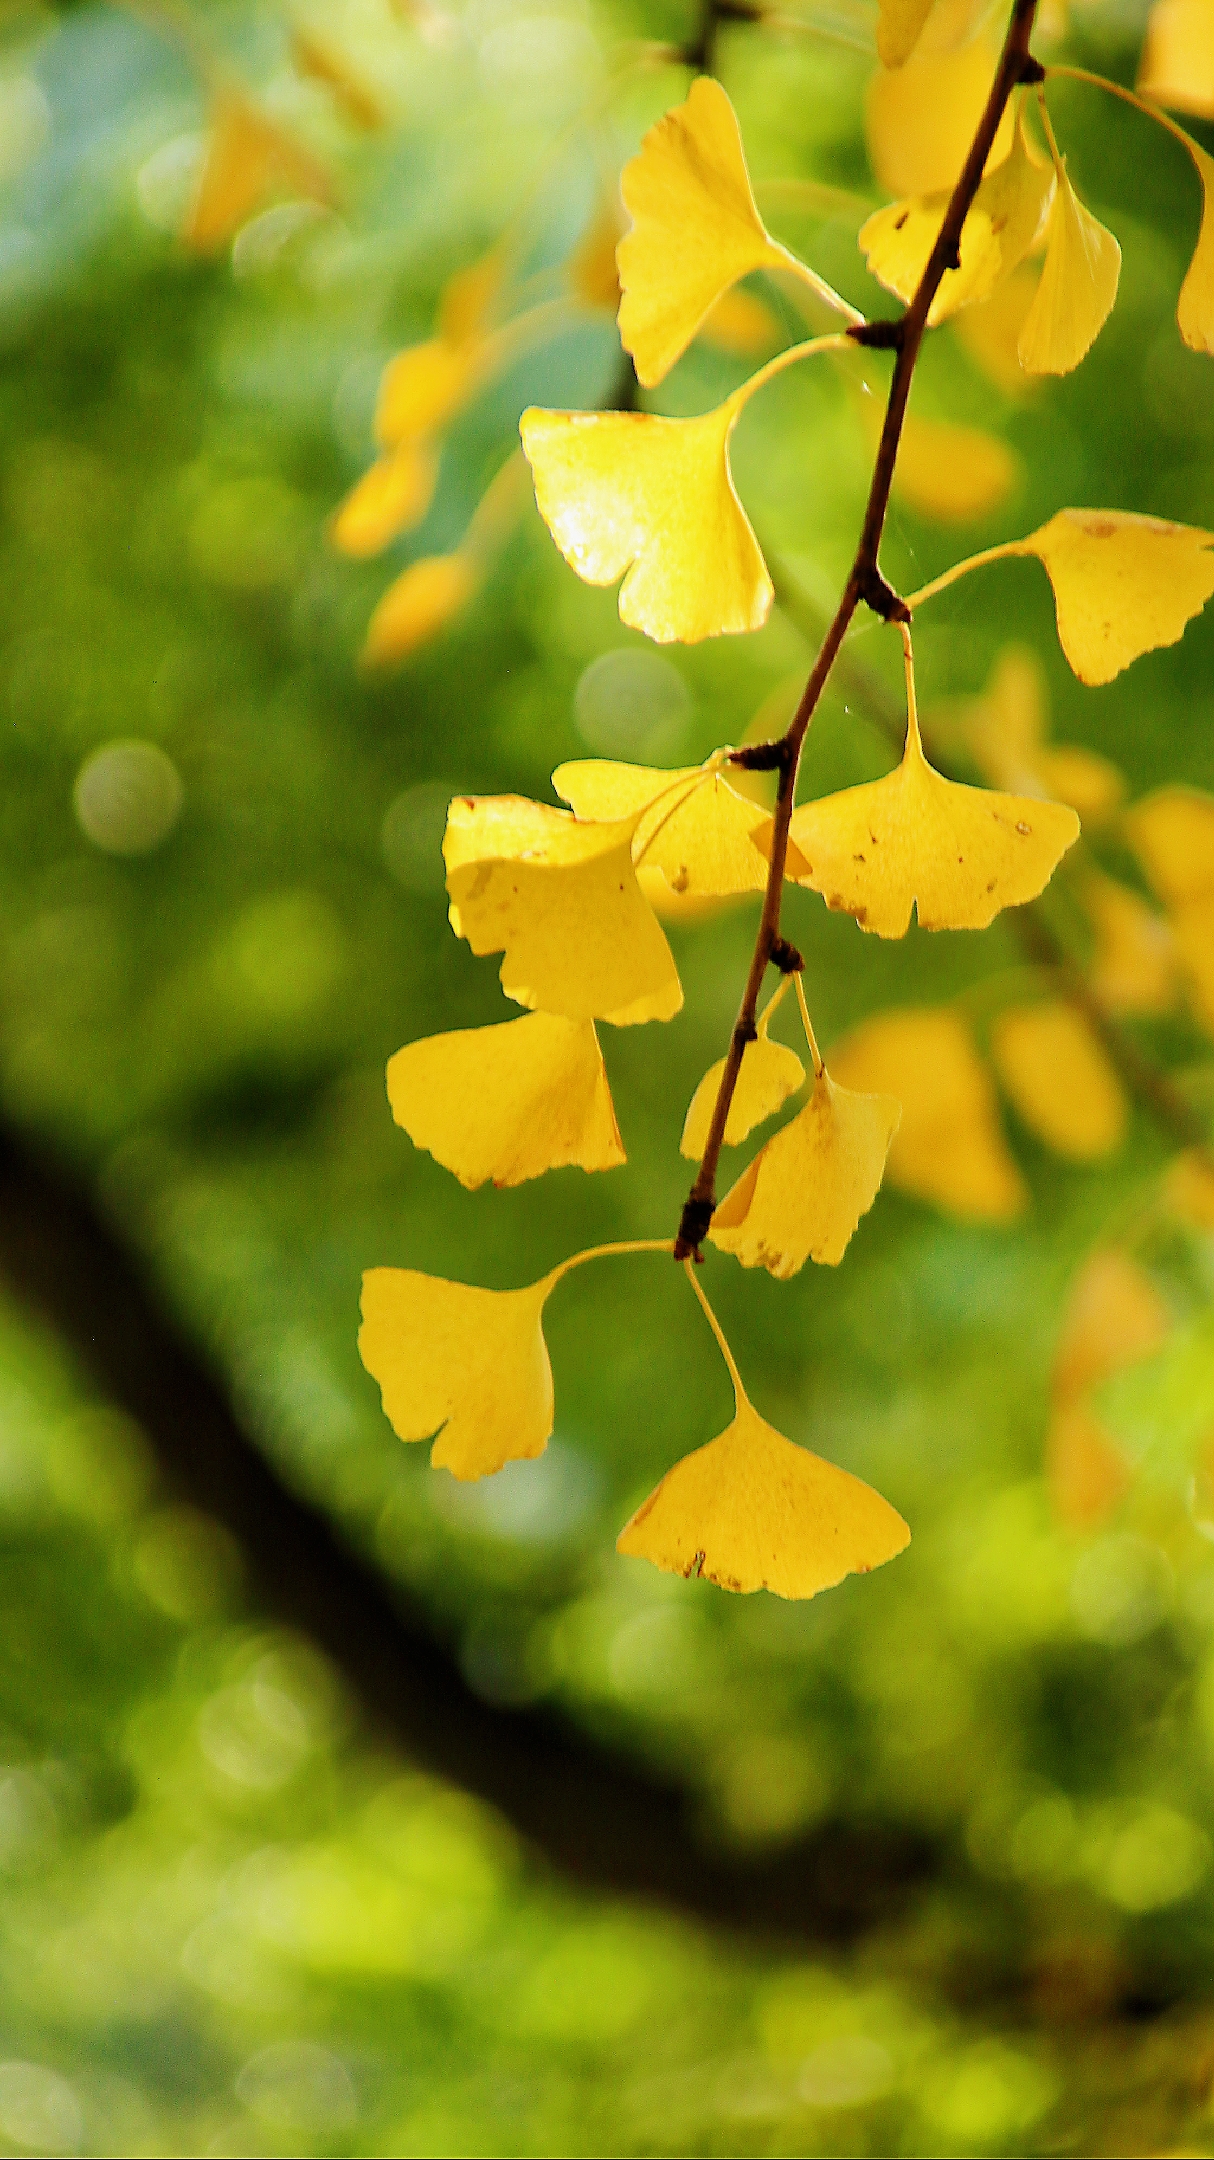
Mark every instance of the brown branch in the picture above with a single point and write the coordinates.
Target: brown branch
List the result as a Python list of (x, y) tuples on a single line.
[(865, 583)]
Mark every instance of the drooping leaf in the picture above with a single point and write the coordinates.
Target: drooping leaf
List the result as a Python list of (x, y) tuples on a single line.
[(420, 603), (508, 1102), (1058, 1075), (424, 387), (1007, 214), (899, 23), (392, 495), (626, 492), (1133, 966), (804, 1193), (752, 1512), (768, 1075), (702, 843), (1078, 287), (695, 228), (248, 158), (1195, 308), (1123, 584), (1178, 57), (1172, 833), (468, 1365), (560, 899), (957, 854), (949, 1148), (990, 331), (919, 119)]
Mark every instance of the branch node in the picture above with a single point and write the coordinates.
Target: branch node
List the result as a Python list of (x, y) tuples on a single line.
[(762, 756), (785, 956), (745, 1032), (693, 1226), (1031, 71), (881, 597), (883, 335)]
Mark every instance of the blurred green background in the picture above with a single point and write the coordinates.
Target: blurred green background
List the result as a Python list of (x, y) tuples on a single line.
[(243, 1911)]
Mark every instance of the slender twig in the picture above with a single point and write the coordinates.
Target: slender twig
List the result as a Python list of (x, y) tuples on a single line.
[(903, 336)]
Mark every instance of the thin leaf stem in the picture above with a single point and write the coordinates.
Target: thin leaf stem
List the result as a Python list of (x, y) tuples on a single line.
[(1128, 97), (864, 583), (740, 1395), (607, 1252), (789, 357), (807, 1024), (1001, 553)]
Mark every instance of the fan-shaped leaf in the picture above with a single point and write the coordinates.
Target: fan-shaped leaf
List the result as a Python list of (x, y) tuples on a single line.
[(1059, 1077), (1123, 584), (469, 1365), (1006, 216), (702, 844), (1078, 287), (508, 1102), (949, 1147), (804, 1193)]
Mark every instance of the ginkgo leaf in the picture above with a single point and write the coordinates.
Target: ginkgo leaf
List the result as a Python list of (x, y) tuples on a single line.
[(1123, 584), (1087, 1473), (1004, 728), (1133, 966), (248, 157), (508, 1102), (1114, 1316), (393, 495), (1078, 287), (1007, 214), (468, 1365), (1195, 308), (919, 119), (953, 473), (899, 23), (949, 1147), (702, 844), (424, 387), (422, 601), (752, 1512), (1172, 833), (768, 1075), (560, 899), (804, 1193), (1059, 1078), (627, 492), (695, 229), (990, 331), (1178, 57), (1092, 785), (957, 854)]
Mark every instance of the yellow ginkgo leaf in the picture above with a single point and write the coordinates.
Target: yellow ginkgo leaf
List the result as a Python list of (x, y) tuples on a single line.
[(248, 157), (804, 1193), (990, 331), (1133, 966), (393, 495), (469, 297), (1004, 729), (1178, 56), (508, 1102), (1193, 928), (1123, 584), (899, 23), (1114, 1316), (768, 1075), (423, 600), (1078, 287), (1086, 1471), (1195, 309), (919, 119), (695, 229), (701, 842), (1059, 1078), (323, 63), (1189, 1188), (424, 387), (670, 906), (1007, 214), (949, 1147), (470, 1365), (1172, 834), (560, 899), (752, 1512), (626, 492), (953, 473), (1090, 783), (957, 854)]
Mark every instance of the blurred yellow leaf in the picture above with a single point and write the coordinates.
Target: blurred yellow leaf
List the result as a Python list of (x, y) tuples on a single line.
[(1193, 928), (1058, 1075), (1007, 215), (898, 25), (424, 387), (1189, 1187), (739, 323), (1123, 584), (1172, 834), (957, 854), (1114, 1316), (421, 602), (1133, 967), (508, 1102), (1078, 287), (990, 331), (804, 1193), (1004, 731), (626, 492), (769, 1074), (700, 842), (949, 1147), (1086, 1471), (695, 229), (752, 1512), (470, 1365), (591, 269), (953, 473), (920, 118), (392, 496), (468, 299), (1177, 66), (1090, 783), (248, 157), (560, 899), (316, 58)]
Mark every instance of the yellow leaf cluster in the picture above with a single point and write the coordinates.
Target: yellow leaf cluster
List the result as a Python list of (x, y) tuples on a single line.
[(1007, 214), (1114, 1316), (1057, 1074), (949, 1147), (1172, 833), (693, 828), (509, 1102), (804, 1193), (769, 1074), (248, 158), (919, 119)]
